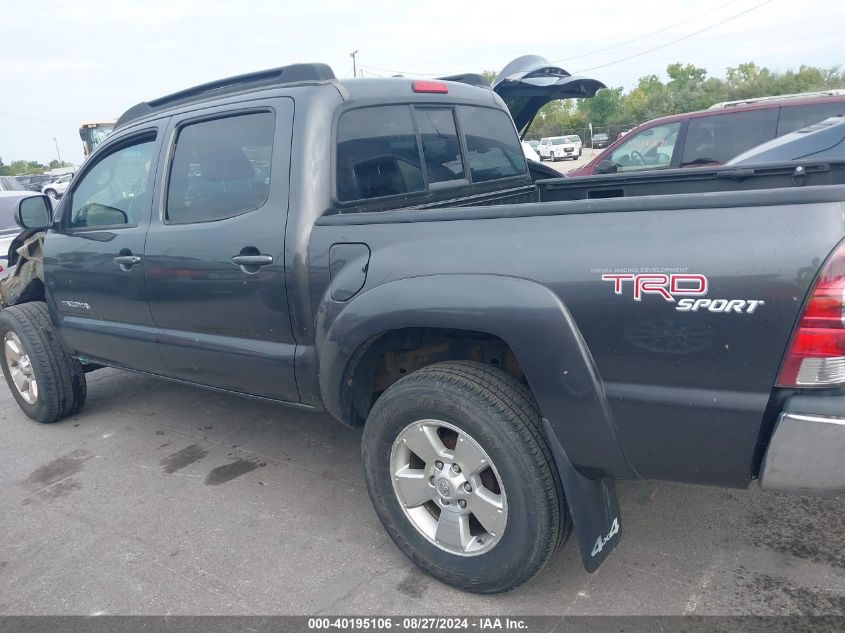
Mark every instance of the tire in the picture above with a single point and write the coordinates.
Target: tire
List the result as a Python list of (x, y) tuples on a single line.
[(52, 194), (493, 412), (59, 378)]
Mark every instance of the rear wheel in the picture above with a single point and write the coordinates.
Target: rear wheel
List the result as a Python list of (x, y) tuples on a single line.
[(461, 478), (47, 382), (51, 193)]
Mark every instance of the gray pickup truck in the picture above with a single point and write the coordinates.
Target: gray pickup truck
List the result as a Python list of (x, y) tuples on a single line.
[(510, 342)]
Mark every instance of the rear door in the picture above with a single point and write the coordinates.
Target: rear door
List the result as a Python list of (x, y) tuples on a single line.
[(93, 258), (215, 251)]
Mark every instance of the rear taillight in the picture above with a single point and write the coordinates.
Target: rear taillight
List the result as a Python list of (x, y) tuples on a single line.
[(816, 354)]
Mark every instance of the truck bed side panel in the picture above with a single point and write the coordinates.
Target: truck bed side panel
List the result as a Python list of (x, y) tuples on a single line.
[(687, 389)]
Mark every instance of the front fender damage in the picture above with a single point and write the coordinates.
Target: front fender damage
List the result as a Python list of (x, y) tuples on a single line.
[(29, 267)]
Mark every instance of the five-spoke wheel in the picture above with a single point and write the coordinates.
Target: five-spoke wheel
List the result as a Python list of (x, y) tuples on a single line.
[(449, 487), (459, 475)]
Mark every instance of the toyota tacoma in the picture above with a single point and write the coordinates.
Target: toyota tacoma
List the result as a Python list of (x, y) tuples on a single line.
[(511, 342)]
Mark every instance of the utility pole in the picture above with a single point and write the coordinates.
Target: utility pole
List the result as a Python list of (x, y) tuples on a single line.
[(353, 55), (57, 150)]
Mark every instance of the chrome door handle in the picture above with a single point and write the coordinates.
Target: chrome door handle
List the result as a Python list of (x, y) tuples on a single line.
[(252, 260), (126, 262)]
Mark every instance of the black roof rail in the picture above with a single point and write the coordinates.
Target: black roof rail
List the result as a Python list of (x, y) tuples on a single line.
[(260, 79), (473, 79)]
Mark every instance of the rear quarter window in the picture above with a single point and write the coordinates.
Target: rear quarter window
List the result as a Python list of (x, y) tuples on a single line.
[(794, 117), (720, 137)]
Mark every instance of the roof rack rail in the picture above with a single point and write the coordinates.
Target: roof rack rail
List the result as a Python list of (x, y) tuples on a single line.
[(835, 92), (473, 79), (294, 73)]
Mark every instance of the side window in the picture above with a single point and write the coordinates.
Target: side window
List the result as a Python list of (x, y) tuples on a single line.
[(797, 116), (718, 138), (493, 147), (114, 191), (441, 148), (377, 153), (221, 168), (650, 149)]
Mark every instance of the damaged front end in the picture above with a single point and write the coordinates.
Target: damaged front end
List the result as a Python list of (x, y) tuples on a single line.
[(26, 281)]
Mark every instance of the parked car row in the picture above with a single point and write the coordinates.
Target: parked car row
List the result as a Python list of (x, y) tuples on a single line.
[(53, 186)]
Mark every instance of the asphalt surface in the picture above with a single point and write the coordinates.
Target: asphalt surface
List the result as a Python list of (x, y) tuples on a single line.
[(564, 166), (164, 499)]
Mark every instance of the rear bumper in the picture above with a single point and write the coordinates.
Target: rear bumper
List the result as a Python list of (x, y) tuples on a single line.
[(806, 454)]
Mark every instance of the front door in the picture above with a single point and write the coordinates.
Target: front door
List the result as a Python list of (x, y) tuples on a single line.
[(215, 250), (93, 258)]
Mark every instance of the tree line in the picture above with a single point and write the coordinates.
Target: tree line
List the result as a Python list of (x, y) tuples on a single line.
[(688, 89), (26, 167)]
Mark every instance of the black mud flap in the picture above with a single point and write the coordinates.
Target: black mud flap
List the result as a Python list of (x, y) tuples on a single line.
[(592, 506)]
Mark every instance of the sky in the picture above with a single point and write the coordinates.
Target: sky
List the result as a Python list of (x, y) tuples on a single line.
[(65, 62)]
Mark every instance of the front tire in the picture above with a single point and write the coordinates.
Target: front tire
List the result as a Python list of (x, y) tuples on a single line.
[(461, 478), (45, 380), (51, 193)]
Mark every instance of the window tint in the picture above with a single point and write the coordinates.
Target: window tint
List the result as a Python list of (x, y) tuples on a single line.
[(717, 139), (650, 149), (795, 117), (377, 153), (221, 168), (493, 148), (114, 191), (441, 148)]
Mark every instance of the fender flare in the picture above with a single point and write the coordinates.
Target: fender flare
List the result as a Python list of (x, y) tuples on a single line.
[(535, 323)]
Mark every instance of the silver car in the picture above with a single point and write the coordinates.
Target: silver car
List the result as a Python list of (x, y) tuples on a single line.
[(9, 229), (56, 189)]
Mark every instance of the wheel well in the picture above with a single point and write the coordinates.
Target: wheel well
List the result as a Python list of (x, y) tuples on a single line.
[(34, 291), (388, 357)]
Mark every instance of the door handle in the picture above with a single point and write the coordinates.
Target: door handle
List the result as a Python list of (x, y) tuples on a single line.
[(252, 260), (126, 262), (251, 264)]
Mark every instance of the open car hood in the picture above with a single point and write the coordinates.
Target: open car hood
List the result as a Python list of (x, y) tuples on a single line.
[(528, 83)]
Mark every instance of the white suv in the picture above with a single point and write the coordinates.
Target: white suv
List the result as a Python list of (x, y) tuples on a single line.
[(560, 147), (56, 188)]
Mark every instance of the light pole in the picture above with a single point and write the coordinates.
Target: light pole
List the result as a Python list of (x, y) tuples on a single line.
[(57, 150), (353, 55)]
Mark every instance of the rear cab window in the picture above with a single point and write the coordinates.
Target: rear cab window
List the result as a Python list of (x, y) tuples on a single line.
[(415, 149)]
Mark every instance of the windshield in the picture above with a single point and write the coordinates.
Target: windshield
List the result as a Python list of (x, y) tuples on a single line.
[(573, 139), (94, 134), (560, 140)]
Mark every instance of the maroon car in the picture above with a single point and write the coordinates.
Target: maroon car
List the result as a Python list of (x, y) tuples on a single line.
[(713, 136)]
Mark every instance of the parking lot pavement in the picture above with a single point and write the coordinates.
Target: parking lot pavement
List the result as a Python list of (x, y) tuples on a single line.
[(564, 166), (164, 499)]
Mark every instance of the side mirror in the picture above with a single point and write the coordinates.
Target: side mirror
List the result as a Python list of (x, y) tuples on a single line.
[(34, 212), (606, 167)]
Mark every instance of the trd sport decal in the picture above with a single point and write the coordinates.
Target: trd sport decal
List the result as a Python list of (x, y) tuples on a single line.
[(678, 288)]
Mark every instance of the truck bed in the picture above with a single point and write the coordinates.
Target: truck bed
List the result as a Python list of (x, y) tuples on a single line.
[(666, 182)]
